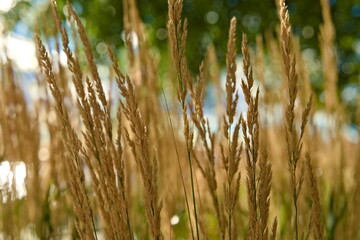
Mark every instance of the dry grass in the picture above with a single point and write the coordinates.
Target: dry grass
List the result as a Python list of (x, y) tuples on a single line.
[(159, 160), (293, 141)]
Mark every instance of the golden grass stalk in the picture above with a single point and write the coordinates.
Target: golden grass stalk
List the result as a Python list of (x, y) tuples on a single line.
[(142, 68), (294, 142), (144, 156), (316, 214), (20, 135), (231, 154), (305, 88), (75, 177), (213, 73), (179, 166), (208, 141), (274, 228), (177, 32), (354, 207), (260, 59), (232, 95), (105, 161), (265, 177), (93, 70), (251, 131), (258, 187), (328, 57)]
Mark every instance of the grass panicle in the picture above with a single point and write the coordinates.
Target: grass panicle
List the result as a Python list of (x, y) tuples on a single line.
[(163, 157)]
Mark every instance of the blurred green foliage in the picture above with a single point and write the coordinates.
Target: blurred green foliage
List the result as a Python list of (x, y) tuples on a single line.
[(209, 22)]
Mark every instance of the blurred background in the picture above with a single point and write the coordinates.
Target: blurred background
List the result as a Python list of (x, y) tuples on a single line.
[(209, 20)]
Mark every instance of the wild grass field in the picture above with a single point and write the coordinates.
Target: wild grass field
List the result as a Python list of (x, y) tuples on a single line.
[(246, 152)]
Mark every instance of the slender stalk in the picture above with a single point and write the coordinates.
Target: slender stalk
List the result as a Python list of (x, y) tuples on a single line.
[(296, 220), (193, 194), (293, 139), (178, 161), (229, 183), (177, 34), (229, 228)]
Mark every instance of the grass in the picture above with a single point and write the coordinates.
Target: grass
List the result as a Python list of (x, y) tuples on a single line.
[(158, 168)]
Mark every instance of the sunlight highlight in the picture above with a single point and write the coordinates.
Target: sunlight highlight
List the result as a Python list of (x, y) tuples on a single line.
[(7, 5)]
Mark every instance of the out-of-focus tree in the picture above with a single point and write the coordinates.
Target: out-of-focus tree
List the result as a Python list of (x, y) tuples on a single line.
[(209, 21)]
